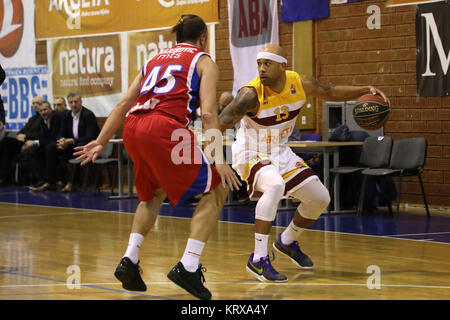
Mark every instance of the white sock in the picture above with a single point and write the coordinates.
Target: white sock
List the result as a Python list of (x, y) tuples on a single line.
[(261, 241), (192, 254), (291, 234), (134, 244)]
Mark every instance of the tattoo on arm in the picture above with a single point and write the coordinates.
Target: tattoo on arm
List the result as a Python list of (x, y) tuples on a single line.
[(245, 102), (322, 86), (322, 90), (315, 88)]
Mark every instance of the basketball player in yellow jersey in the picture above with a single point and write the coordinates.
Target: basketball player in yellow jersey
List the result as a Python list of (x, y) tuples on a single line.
[(267, 109)]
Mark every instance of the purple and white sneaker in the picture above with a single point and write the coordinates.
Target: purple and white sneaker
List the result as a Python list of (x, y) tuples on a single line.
[(293, 251)]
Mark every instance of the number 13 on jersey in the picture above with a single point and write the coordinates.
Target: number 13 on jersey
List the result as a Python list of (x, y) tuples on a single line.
[(282, 113), (153, 78)]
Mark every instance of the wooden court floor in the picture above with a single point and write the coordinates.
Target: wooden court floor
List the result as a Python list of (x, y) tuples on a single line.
[(50, 253)]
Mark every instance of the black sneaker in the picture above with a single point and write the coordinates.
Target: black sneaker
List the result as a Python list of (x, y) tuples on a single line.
[(192, 282), (293, 251), (130, 275), (264, 271)]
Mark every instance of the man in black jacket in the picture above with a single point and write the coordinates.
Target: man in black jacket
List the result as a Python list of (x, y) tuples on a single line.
[(11, 147), (78, 128), (32, 128), (35, 149)]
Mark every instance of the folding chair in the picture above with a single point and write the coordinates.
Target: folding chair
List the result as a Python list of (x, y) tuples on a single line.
[(105, 159), (375, 154), (407, 159)]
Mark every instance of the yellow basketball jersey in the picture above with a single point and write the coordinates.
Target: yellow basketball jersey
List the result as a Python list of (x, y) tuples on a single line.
[(277, 113)]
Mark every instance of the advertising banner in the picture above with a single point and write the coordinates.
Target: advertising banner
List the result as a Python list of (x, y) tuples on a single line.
[(64, 18), (18, 90), (433, 49), (17, 40), (89, 65)]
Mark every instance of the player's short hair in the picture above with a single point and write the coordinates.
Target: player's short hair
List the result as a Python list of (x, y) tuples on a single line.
[(189, 28)]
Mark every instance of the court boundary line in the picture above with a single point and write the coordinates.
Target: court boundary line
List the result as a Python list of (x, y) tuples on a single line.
[(246, 283), (60, 207), (95, 286), (375, 236), (417, 234), (243, 223), (42, 215)]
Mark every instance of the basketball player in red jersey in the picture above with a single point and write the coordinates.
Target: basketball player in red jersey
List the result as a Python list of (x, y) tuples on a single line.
[(160, 100)]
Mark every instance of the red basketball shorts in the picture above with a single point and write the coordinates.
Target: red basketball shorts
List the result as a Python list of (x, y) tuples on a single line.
[(165, 155)]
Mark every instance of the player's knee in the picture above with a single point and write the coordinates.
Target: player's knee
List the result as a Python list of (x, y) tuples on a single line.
[(276, 187), (319, 200), (322, 199), (272, 186), (314, 198), (159, 195), (312, 210), (220, 194), (270, 182)]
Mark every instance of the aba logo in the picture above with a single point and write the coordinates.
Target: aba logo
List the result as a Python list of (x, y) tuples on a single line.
[(11, 26), (252, 23)]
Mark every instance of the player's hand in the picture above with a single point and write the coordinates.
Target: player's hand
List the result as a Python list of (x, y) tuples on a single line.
[(88, 152), (376, 91), (228, 176)]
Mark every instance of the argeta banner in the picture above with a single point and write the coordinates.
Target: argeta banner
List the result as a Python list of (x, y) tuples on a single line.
[(75, 18)]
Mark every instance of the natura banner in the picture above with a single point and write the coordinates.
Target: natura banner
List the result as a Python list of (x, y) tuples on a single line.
[(89, 65)]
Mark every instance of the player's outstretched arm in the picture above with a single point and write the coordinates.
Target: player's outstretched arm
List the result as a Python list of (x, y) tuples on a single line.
[(92, 150), (336, 93), (245, 102)]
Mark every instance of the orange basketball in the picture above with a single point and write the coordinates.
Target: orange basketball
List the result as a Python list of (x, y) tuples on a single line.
[(371, 111)]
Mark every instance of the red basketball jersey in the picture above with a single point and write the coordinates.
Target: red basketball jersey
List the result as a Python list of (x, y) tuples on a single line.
[(171, 83)]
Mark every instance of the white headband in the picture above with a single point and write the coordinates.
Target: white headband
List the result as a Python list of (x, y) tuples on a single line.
[(271, 56)]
